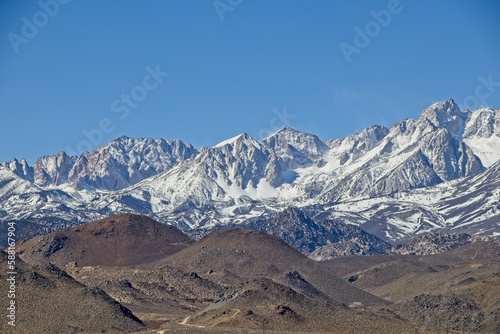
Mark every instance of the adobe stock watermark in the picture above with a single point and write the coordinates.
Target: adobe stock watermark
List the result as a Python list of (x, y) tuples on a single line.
[(363, 37), (483, 91), (223, 6), (121, 107), (31, 27), (280, 120), (11, 274)]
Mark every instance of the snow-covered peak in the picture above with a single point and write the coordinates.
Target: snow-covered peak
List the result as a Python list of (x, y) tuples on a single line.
[(372, 135), (296, 147), (20, 168), (446, 114), (293, 137), (124, 144), (115, 165), (232, 140), (287, 131), (12, 184), (482, 134), (483, 122), (238, 143)]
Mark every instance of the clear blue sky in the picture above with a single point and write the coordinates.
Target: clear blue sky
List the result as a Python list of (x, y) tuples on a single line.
[(227, 76)]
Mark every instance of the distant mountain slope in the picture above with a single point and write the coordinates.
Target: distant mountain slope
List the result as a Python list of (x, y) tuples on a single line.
[(394, 182), (119, 240), (320, 240), (469, 205)]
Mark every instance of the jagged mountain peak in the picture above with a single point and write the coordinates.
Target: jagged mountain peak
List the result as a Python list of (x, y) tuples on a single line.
[(482, 134), (377, 131), (242, 146), (125, 144), (370, 137), (16, 166), (286, 129), (122, 138), (447, 106), (115, 165), (290, 133), (242, 137), (446, 114), (483, 122), (296, 148)]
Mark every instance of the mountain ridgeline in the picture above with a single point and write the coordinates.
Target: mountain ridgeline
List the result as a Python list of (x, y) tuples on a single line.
[(390, 181)]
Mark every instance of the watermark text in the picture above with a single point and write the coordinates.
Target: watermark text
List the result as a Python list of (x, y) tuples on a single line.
[(31, 27), (363, 37), (280, 119), (223, 6), (11, 273), (485, 88)]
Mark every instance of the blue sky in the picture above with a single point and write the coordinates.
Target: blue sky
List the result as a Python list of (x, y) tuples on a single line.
[(83, 75)]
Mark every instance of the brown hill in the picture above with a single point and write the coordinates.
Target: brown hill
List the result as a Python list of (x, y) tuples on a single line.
[(230, 255), (461, 298), (261, 303), (153, 294), (50, 301), (120, 240), (374, 271), (456, 289)]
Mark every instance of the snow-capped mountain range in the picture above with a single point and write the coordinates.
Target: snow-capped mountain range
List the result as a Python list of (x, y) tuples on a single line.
[(438, 172)]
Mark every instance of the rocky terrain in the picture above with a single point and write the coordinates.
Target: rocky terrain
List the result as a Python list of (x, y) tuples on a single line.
[(319, 240), (316, 238), (263, 303), (239, 280), (48, 300), (455, 289), (432, 243), (457, 313)]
